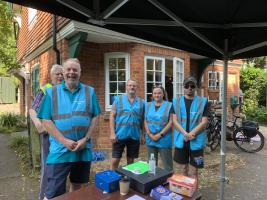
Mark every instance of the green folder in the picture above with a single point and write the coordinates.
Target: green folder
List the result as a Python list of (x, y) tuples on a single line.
[(139, 167)]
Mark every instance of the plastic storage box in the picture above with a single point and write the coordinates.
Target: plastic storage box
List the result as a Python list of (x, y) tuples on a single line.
[(107, 180), (182, 184)]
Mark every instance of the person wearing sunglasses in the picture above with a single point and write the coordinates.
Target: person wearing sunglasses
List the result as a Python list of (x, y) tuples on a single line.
[(158, 127), (190, 120)]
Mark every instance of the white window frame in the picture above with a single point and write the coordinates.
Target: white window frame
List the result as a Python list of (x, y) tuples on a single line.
[(32, 17), (175, 94), (162, 75), (108, 56), (214, 80)]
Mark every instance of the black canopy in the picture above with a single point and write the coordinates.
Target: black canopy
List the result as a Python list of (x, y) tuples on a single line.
[(196, 26)]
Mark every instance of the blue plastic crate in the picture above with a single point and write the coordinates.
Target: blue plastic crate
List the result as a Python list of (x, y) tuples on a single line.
[(107, 180)]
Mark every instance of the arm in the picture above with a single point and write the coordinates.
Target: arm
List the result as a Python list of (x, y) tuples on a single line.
[(151, 135), (164, 130), (179, 127), (36, 121), (112, 124), (51, 128), (200, 127)]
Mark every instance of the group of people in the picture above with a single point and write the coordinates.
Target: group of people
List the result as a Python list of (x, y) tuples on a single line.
[(69, 112)]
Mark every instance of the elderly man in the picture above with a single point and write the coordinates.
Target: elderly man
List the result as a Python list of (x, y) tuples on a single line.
[(126, 119), (69, 113), (56, 74), (190, 120)]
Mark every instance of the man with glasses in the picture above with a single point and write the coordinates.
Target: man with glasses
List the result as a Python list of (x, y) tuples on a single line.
[(190, 120), (126, 119)]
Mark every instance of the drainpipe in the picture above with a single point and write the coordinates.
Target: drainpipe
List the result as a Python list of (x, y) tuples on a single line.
[(55, 39)]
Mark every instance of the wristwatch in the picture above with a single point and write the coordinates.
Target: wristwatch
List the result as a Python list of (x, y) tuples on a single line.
[(161, 135)]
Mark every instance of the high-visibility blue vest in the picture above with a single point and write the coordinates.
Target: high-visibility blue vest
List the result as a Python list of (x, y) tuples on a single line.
[(129, 118), (71, 117), (196, 113), (156, 121)]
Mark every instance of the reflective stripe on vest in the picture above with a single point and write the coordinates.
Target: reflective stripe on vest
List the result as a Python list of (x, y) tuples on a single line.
[(57, 116)]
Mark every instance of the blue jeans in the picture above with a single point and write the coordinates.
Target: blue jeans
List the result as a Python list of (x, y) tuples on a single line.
[(44, 152)]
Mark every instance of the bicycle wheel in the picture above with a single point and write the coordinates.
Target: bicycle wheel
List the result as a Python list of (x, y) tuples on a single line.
[(215, 138), (247, 144)]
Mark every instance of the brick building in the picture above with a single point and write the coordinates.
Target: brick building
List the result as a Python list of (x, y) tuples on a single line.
[(108, 59)]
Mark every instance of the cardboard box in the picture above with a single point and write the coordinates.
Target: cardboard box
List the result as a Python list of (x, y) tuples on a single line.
[(107, 180), (183, 184), (143, 183), (162, 193)]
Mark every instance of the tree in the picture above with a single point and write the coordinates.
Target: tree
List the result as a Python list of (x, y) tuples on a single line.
[(253, 82), (258, 62), (7, 40)]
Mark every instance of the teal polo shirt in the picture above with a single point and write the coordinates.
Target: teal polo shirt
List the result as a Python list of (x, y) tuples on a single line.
[(45, 112)]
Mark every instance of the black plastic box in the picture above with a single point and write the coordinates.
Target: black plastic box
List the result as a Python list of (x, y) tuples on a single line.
[(143, 183)]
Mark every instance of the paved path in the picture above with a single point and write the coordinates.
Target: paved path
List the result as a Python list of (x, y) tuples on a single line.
[(12, 183), (247, 183)]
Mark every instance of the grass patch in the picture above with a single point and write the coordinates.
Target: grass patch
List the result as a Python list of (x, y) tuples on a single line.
[(21, 147), (8, 130)]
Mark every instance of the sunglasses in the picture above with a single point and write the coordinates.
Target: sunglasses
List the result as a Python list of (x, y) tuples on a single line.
[(189, 85)]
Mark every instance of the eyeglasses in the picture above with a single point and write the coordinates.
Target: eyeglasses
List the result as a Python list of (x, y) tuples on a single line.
[(189, 85)]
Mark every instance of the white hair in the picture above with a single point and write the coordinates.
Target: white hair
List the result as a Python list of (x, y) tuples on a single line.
[(55, 67), (75, 60)]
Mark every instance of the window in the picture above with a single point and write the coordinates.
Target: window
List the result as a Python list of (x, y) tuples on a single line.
[(178, 77), (35, 79), (214, 80), (32, 16), (155, 74), (117, 73)]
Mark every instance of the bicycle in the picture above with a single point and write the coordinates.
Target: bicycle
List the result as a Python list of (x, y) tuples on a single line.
[(246, 137), (213, 131)]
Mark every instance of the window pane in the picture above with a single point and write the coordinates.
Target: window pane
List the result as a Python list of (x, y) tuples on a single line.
[(122, 87), (112, 87), (158, 65), (149, 97), (158, 76), (112, 63), (149, 87), (149, 76), (112, 98), (122, 76), (121, 63), (149, 64), (112, 75)]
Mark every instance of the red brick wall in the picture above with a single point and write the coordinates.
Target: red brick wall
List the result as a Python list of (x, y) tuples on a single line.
[(91, 57), (31, 38), (233, 82)]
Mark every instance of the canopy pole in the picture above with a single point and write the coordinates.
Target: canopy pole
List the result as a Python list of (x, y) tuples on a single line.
[(223, 179)]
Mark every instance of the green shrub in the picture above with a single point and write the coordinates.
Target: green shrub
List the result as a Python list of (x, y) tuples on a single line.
[(12, 120), (257, 114)]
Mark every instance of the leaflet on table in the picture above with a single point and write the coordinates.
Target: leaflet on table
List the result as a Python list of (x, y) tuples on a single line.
[(139, 167)]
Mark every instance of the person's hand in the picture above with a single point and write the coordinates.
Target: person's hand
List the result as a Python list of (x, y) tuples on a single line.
[(191, 136), (80, 144), (157, 136), (69, 144), (40, 128), (113, 138), (186, 137), (142, 139)]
